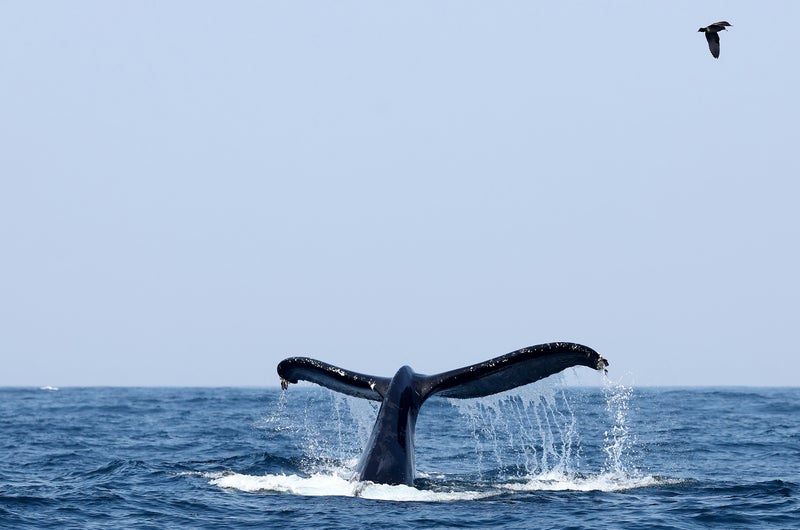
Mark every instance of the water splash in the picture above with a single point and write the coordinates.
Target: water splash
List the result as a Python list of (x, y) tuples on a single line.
[(619, 442), (526, 431), (533, 433), (329, 447), (326, 446), (601, 482), (357, 412), (526, 439)]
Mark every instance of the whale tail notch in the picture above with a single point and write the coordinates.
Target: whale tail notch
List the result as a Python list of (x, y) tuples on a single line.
[(520, 367)]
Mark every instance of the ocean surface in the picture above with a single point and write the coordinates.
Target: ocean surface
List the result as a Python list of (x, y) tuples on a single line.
[(544, 456)]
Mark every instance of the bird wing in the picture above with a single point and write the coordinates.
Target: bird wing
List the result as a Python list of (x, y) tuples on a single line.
[(713, 43)]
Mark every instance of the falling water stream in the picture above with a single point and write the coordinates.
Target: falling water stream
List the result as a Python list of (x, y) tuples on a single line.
[(543, 436)]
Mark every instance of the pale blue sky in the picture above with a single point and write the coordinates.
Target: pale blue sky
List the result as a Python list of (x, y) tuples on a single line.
[(192, 191)]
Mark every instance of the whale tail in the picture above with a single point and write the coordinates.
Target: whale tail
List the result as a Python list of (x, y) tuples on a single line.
[(389, 455), (520, 367)]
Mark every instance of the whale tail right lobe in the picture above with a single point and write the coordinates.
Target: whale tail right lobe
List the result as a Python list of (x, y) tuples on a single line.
[(514, 369)]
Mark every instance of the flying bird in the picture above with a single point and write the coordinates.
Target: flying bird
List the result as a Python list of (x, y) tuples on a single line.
[(712, 36)]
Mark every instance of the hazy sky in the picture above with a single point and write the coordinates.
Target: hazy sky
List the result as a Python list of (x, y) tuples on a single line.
[(191, 191)]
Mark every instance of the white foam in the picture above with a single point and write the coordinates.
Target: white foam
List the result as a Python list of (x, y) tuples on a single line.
[(408, 493), (48, 387), (607, 482), (313, 486), (330, 485), (322, 485), (202, 474)]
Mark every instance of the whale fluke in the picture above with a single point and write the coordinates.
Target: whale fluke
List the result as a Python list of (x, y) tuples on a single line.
[(294, 369), (389, 455), (514, 369)]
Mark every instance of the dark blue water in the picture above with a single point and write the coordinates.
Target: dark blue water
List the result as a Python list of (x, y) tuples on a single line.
[(546, 457)]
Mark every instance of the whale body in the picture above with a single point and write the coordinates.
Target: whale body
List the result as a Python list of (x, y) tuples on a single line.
[(389, 455)]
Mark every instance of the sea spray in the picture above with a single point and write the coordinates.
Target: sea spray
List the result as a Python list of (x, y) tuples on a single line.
[(539, 437), (360, 413), (330, 447), (527, 431), (533, 432), (619, 442)]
